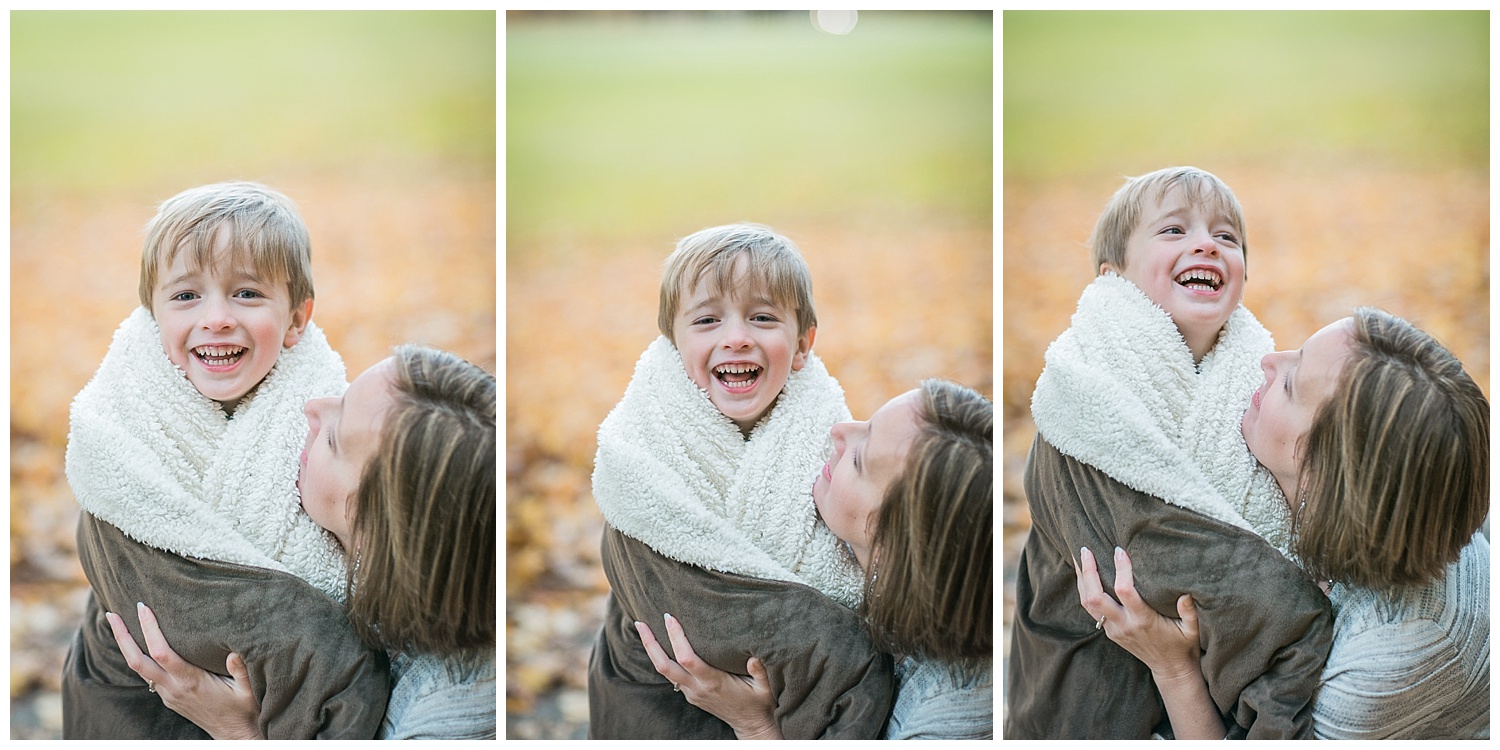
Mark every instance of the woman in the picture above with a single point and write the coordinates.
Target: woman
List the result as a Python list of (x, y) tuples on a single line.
[(1380, 442), (910, 492), (401, 471)]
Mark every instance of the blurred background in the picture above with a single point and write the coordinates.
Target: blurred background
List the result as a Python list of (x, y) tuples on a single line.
[(1356, 142), (380, 126), (871, 149)]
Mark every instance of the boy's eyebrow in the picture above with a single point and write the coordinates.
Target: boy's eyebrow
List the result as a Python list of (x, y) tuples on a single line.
[(178, 279)]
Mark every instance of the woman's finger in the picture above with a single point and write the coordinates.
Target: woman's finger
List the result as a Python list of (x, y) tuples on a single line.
[(659, 659), (1091, 589), (1125, 581), (235, 665), (1187, 609), (680, 645), (137, 661), (156, 643)]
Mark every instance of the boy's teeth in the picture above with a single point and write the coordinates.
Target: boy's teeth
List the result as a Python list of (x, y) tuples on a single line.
[(735, 369), (738, 374), (1199, 277), (219, 356), (219, 351)]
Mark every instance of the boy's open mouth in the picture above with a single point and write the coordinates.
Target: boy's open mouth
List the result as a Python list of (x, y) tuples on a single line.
[(1200, 280), (219, 356), (738, 375)]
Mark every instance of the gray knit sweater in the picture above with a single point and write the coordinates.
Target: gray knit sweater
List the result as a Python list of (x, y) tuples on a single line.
[(1413, 664), (934, 702), (437, 698)]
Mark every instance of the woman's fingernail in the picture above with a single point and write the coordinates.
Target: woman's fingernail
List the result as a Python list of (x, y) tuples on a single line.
[(1118, 552), (667, 616)]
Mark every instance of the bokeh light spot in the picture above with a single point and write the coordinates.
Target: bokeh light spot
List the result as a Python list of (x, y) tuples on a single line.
[(835, 21)]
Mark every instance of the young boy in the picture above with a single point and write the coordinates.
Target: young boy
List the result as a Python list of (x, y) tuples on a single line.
[(704, 477), (1138, 446), (183, 454)]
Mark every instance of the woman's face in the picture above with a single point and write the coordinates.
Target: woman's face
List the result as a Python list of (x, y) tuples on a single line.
[(342, 437), (1281, 409), (867, 456)]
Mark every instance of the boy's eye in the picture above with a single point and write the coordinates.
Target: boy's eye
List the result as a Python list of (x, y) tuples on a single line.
[(184, 296), (764, 318), (1227, 237), (248, 294), (1172, 230), (705, 320)]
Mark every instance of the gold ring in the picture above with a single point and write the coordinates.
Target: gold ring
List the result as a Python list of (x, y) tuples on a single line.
[(151, 686)]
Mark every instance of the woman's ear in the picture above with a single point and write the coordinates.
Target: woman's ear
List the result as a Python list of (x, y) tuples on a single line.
[(804, 346)]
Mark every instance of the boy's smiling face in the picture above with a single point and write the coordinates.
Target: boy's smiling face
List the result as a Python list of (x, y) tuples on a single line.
[(224, 325), (738, 346), (1188, 259)]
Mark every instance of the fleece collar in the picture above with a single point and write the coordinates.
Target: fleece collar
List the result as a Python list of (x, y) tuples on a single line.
[(675, 473), (150, 455), (1120, 392)]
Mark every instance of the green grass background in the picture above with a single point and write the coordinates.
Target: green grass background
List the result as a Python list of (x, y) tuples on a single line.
[(104, 99), (1089, 88), (656, 126)]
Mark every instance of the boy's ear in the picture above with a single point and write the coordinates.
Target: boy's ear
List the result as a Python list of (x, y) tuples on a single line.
[(1107, 267), (804, 345), (301, 316)]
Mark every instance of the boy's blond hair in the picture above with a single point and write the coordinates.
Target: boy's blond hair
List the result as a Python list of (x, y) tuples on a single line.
[(1123, 213), (775, 268), (265, 230)]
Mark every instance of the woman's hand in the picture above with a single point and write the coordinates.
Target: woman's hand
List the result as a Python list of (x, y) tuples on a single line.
[(1169, 647), (744, 703), (223, 706)]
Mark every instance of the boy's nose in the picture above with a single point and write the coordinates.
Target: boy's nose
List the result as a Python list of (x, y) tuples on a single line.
[(1204, 244), (216, 316), (737, 336)]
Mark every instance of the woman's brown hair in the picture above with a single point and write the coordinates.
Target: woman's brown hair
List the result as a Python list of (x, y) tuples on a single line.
[(1395, 468), (930, 588), (423, 578)]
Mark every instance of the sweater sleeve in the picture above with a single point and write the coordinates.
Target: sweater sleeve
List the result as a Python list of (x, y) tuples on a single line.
[(442, 699), (934, 702), (1384, 678)]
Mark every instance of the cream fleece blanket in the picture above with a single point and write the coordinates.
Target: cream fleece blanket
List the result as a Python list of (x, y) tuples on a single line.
[(150, 455), (1120, 392), (675, 473)]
